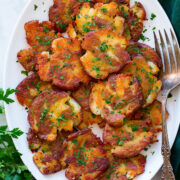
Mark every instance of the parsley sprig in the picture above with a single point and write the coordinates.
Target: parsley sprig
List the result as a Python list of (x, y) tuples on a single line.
[(11, 166), (4, 96)]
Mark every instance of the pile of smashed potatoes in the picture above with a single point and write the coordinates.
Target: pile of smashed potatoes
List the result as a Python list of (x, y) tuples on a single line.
[(88, 67)]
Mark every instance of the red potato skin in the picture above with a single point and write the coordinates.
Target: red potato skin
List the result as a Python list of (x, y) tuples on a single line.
[(40, 35), (31, 83), (146, 51), (96, 163)]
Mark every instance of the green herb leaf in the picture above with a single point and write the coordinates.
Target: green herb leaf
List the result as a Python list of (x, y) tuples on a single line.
[(4, 95)]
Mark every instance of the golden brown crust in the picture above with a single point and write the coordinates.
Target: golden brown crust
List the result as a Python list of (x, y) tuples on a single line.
[(34, 141), (144, 71), (117, 1), (130, 139), (40, 35), (151, 112), (52, 111), (63, 13), (146, 51), (30, 88), (124, 169), (105, 53), (135, 20), (85, 156), (120, 98), (101, 16), (89, 119), (81, 95), (47, 157), (63, 68), (27, 58)]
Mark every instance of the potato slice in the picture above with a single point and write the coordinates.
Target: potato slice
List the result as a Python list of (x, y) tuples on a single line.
[(63, 68), (130, 139), (101, 16), (116, 99), (105, 53), (63, 13), (40, 35), (52, 111), (124, 169), (144, 71), (27, 58), (47, 157), (84, 155), (89, 119), (135, 21), (30, 88), (147, 52), (81, 95), (153, 112)]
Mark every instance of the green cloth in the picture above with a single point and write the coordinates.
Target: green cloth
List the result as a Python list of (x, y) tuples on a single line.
[(172, 8)]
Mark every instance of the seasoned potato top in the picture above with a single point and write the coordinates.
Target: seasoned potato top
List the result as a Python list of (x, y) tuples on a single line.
[(52, 111), (27, 58), (144, 70), (152, 112), (63, 13), (84, 155), (147, 52), (30, 88), (81, 95), (125, 169), (120, 97), (63, 68), (40, 35), (130, 139), (105, 53), (101, 16), (48, 155)]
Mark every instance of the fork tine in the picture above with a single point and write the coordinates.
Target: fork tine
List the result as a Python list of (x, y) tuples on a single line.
[(157, 47), (171, 56), (156, 44), (176, 50), (164, 56)]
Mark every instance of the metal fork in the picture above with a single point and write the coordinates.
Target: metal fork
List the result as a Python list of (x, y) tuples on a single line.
[(170, 76)]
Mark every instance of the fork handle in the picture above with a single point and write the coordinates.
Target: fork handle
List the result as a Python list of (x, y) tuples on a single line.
[(167, 170)]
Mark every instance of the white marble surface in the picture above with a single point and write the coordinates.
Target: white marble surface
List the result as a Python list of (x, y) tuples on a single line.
[(9, 13)]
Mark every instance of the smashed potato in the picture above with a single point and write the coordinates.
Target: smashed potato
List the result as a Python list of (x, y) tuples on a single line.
[(30, 88), (152, 112), (130, 139), (40, 35), (34, 141), (146, 51), (63, 67), (52, 111), (47, 157), (63, 13), (143, 70), (116, 99), (27, 58), (101, 16), (81, 95), (89, 119), (105, 53), (135, 21), (84, 155), (124, 169)]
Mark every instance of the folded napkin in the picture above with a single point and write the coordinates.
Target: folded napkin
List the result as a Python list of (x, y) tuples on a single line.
[(172, 8)]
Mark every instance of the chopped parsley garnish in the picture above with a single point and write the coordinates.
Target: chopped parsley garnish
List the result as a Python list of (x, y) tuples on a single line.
[(153, 16), (62, 117), (103, 47), (25, 73), (35, 7)]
